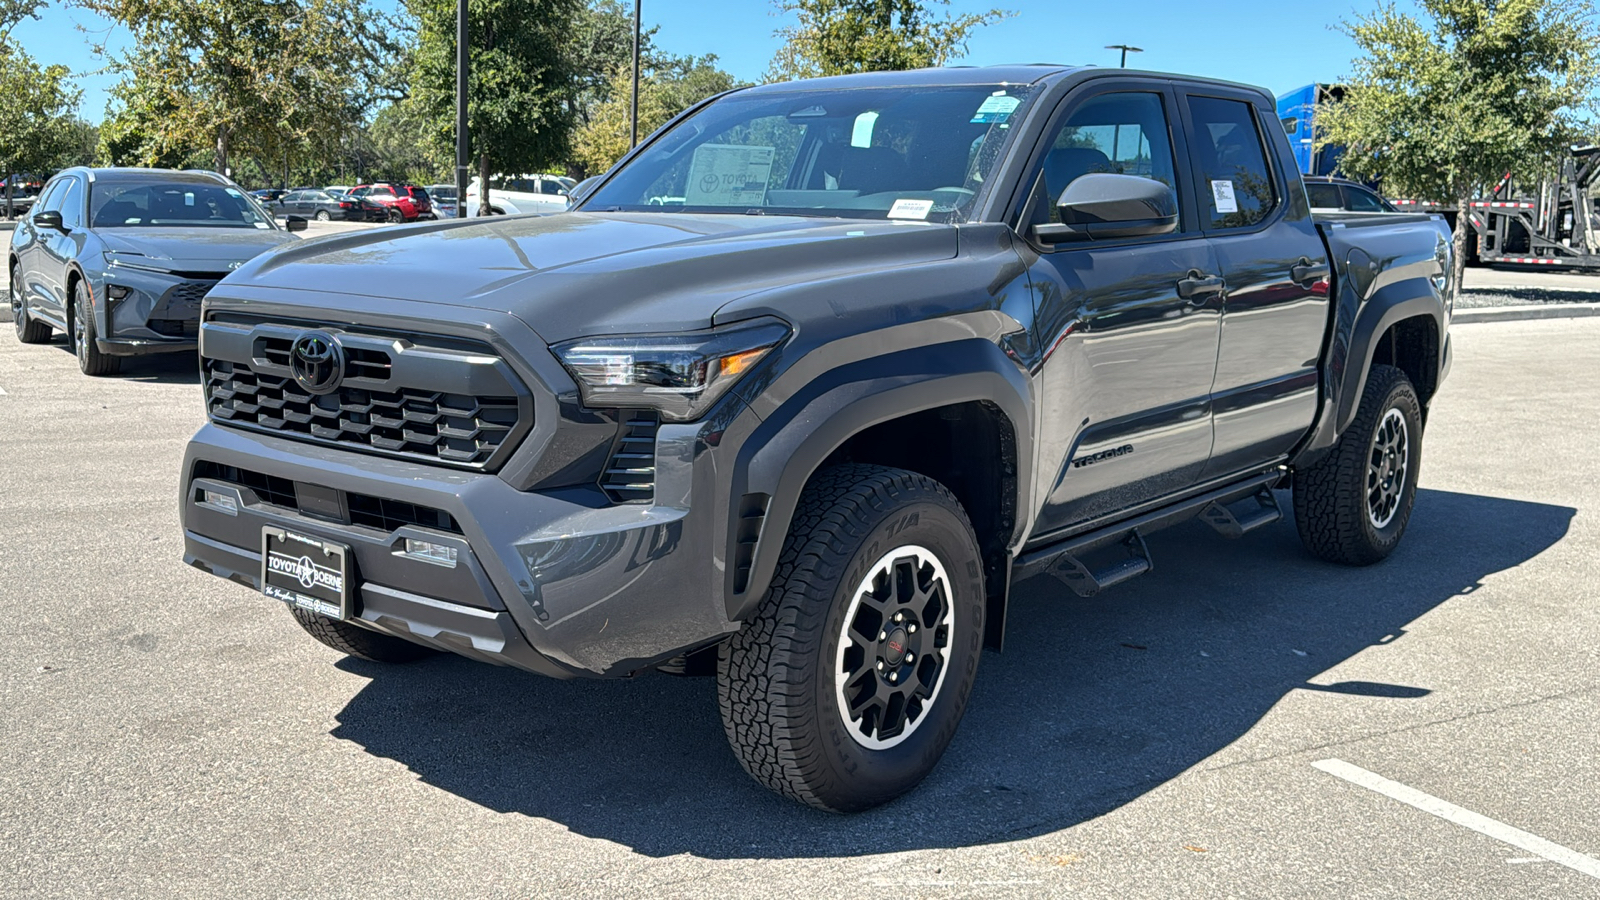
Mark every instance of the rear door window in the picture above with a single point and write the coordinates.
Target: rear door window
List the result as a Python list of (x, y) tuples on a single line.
[(1235, 184), (1323, 195), (1364, 201)]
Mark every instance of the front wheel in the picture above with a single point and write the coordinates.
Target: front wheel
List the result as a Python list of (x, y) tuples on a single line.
[(396, 216), (90, 360), (353, 640), (847, 685), (1352, 507)]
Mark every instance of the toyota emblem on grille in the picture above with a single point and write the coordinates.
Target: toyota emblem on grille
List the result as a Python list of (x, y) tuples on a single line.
[(317, 362)]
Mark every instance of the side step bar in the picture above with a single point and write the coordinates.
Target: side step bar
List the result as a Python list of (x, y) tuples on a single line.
[(1063, 559)]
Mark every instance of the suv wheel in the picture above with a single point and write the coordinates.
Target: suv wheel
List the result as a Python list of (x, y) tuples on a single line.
[(353, 640), (90, 360), (395, 215), (28, 331), (848, 683), (1353, 505)]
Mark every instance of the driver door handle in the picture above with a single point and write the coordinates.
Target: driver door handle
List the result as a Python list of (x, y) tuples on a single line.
[(1196, 287)]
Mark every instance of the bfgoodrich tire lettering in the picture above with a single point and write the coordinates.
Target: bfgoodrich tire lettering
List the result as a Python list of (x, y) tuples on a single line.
[(1352, 507), (775, 681)]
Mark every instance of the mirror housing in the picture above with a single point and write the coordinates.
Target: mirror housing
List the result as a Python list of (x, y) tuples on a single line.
[(1101, 206), (49, 218), (295, 223)]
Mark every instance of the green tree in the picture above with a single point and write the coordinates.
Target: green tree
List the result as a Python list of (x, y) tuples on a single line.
[(267, 78), (1443, 105), (838, 37), (674, 85), (518, 114), (40, 103)]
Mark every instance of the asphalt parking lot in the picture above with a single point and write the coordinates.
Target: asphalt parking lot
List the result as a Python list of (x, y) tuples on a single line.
[(1190, 734)]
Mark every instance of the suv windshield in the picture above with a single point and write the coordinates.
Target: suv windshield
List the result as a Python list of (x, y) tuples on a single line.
[(866, 153), (176, 204)]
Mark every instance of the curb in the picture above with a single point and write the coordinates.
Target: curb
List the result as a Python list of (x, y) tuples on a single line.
[(1525, 313)]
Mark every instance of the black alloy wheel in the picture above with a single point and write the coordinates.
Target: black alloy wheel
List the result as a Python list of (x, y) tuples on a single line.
[(90, 360), (28, 331)]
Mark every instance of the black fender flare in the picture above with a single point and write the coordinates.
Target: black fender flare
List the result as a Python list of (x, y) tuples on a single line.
[(782, 453)]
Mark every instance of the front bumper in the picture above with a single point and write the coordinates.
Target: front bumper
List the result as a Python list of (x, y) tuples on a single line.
[(562, 583), (144, 346)]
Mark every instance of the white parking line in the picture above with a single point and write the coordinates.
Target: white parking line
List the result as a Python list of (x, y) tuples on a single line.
[(1466, 818)]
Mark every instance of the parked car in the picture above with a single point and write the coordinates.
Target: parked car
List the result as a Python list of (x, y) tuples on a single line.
[(323, 206), (401, 202), (1329, 194), (907, 339), (120, 259), (444, 200), (269, 195), (338, 188), (513, 194)]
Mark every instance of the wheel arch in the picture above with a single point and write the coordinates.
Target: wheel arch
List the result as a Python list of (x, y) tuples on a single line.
[(955, 412)]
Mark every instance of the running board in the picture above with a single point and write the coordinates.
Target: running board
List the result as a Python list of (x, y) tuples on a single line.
[(1086, 583), (1232, 523)]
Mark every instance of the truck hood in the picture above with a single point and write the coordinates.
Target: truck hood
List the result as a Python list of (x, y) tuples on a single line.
[(578, 274), (193, 249)]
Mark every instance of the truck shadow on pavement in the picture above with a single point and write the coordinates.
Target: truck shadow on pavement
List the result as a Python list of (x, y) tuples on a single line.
[(1093, 703)]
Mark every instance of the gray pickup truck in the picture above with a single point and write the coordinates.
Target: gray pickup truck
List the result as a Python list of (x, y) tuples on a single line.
[(805, 383)]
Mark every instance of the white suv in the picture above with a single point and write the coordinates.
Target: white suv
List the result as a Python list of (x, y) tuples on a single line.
[(512, 194)]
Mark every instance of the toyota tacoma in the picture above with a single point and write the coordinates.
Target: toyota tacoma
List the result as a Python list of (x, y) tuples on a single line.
[(803, 385)]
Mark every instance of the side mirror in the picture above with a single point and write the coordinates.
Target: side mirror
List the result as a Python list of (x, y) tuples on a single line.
[(1101, 206), (295, 223), (49, 218), (581, 190)]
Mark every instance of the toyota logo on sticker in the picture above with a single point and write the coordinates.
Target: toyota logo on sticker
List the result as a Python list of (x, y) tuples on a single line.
[(317, 362)]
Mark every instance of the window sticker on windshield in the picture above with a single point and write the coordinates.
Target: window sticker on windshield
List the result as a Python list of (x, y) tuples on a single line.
[(1222, 194), (995, 109), (263, 226), (728, 175), (188, 199), (910, 209)]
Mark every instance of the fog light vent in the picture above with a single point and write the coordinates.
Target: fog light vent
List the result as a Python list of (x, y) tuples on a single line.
[(430, 552)]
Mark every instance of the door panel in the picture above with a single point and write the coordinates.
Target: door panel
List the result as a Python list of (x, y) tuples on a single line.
[(1126, 371), (1275, 312)]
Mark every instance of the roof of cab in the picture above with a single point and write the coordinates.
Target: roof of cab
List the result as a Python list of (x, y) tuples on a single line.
[(132, 173), (943, 77)]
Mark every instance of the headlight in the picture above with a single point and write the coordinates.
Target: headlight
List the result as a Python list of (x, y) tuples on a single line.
[(680, 375)]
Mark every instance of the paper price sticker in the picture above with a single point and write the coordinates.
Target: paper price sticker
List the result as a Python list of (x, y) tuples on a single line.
[(995, 109), (1222, 195), (910, 209), (729, 175)]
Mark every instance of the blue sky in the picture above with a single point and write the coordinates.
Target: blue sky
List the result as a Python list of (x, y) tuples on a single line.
[(1276, 45)]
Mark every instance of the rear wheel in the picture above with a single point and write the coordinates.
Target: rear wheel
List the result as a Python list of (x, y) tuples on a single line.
[(1352, 507), (353, 640), (28, 331), (90, 360), (395, 215), (322, 215), (846, 687)]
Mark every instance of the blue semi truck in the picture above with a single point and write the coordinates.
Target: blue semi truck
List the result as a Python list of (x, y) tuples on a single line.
[(1297, 110)]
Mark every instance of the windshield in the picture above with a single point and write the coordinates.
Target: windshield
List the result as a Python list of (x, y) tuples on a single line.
[(177, 204), (866, 153)]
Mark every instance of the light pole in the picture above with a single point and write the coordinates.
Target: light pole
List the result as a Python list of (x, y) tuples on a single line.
[(461, 109), (1125, 51), (633, 111)]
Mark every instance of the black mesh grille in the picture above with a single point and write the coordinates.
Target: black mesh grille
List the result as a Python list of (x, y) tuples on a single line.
[(189, 328), (425, 425), (270, 488), (630, 474), (189, 294)]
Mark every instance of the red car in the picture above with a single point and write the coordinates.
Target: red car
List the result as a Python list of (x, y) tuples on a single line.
[(405, 202)]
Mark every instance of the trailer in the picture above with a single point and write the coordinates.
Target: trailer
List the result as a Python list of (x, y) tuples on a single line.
[(1559, 226)]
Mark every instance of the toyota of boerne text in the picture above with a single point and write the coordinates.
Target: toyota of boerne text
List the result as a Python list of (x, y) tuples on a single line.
[(799, 389)]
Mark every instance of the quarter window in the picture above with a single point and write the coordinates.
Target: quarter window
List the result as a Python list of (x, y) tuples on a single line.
[(1122, 134), (1235, 182)]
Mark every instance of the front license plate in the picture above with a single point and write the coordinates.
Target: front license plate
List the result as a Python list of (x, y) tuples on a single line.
[(307, 572)]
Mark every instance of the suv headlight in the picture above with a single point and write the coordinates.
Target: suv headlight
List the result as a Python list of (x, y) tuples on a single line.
[(679, 375)]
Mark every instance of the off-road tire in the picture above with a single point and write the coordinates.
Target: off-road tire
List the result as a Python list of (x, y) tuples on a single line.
[(1331, 498), (775, 678), (353, 640), (28, 330), (90, 360)]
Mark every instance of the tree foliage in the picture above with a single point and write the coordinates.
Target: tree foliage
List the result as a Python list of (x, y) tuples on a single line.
[(41, 129), (257, 77), (674, 85), (1444, 104), (838, 37), (518, 110)]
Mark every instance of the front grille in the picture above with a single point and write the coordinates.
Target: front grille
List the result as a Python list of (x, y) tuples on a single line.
[(182, 301), (189, 328), (630, 474), (361, 509), (360, 362), (419, 424)]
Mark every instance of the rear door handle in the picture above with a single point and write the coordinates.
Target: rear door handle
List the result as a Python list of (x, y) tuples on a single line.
[(1197, 287), (1307, 272)]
